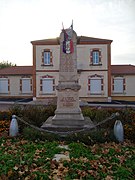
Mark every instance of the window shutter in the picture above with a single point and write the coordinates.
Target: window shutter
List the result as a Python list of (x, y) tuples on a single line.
[(41, 85), (47, 85), (53, 84), (4, 83), (51, 57), (8, 85), (91, 57), (99, 56), (20, 84), (102, 84), (31, 84), (95, 86), (113, 84), (124, 84), (118, 85), (88, 84), (42, 56)]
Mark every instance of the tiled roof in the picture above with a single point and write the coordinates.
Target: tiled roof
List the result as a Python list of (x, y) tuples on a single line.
[(85, 39), (122, 69), (54, 41), (27, 70), (16, 70), (80, 40)]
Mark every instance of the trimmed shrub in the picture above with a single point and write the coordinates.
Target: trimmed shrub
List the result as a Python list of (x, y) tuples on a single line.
[(129, 125), (35, 115), (126, 115), (5, 115), (33, 134), (95, 114)]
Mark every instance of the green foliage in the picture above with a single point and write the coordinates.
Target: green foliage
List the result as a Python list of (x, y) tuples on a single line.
[(4, 122), (79, 150), (93, 154), (91, 137), (35, 115), (32, 134), (127, 117), (5, 115), (123, 172), (23, 159), (5, 64), (96, 115), (4, 125)]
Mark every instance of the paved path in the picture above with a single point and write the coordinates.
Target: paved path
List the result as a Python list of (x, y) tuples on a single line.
[(5, 105), (106, 105)]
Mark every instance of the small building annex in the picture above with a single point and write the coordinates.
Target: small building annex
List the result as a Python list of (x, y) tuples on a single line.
[(99, 80), (16, 82)]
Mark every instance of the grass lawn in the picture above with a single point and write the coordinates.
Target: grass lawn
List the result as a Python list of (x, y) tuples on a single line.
[(23, 159)]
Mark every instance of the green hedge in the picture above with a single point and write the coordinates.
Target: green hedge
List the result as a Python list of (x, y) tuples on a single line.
[(37, 115)]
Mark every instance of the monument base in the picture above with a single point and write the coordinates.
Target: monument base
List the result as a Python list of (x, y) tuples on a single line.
[(68, 118), (62, 127)]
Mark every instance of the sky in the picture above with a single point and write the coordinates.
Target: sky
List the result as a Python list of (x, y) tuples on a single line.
[(23, 21)]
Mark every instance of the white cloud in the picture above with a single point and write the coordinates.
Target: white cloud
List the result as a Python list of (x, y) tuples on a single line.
[(26, 20)]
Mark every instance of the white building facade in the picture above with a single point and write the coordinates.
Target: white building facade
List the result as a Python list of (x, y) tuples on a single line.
[(93, 64), (100, 81)]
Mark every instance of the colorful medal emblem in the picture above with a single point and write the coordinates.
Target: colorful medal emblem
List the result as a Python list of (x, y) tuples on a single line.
[(68, 46), (68, 43)]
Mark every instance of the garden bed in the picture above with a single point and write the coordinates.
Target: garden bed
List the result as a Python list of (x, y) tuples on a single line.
[(25, 159), (92, 155)]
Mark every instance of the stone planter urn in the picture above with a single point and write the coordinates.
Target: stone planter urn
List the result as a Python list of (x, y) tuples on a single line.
[(118, 131), (13, 130)]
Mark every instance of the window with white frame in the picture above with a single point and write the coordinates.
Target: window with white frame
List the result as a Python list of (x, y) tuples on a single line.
[(4, 85), (95, 84), (95, 57), (47, 57), (118, 85), (47, 85), (26, 85)]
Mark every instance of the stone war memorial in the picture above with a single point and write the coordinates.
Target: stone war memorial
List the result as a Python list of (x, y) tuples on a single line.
[(68, 114)]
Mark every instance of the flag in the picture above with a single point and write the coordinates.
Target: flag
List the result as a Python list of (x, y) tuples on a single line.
[(68, 43), (68, 47)]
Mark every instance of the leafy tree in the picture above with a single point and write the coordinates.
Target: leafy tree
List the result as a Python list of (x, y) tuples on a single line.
[(5, 64)]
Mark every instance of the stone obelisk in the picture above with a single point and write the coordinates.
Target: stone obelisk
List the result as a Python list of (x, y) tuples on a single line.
[(68, 113)]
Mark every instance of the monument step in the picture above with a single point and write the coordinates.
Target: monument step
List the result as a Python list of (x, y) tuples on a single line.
[(48, 125)]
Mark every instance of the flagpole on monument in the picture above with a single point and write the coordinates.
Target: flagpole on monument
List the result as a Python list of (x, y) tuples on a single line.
[(62, 26)]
